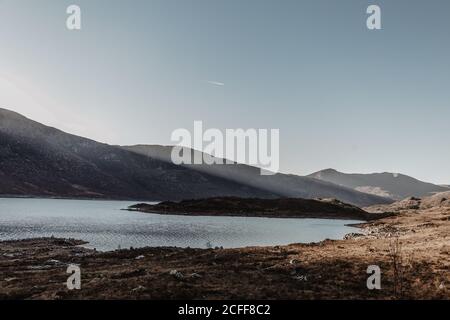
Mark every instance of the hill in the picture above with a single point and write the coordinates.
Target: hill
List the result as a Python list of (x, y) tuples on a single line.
[(390, 185), (36, 160)]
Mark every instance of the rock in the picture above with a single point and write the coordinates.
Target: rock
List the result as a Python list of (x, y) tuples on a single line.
[(300, 278), (138, 289), (176, 274), (55, 262), (353, 235)]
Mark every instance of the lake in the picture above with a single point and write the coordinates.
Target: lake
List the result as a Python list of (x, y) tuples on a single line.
[(106, 227)]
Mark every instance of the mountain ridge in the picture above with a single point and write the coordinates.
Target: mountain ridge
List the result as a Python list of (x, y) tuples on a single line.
[(393, 185), (38, 160)]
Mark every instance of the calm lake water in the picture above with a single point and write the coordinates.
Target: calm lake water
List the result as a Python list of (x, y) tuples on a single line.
[(106, 227)]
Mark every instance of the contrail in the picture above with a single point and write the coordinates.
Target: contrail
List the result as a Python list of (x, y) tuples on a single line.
[(216, 83)]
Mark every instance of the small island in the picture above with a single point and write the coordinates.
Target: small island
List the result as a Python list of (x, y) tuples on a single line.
[(253, 207)]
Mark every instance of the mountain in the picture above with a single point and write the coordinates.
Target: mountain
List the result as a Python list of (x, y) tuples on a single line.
[(391, 185), (286, 185), (37, 160)]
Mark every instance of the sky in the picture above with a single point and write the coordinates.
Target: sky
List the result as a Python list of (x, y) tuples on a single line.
[(342, 96)]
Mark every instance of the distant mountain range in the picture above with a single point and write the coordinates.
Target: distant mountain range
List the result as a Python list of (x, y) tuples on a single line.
[(390, 185), (37, 160)]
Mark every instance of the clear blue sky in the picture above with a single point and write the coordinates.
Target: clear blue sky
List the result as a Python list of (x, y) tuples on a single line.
[(341, 95)]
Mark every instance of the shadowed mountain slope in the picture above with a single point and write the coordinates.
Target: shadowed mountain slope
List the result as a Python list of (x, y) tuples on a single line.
[(36, 160)]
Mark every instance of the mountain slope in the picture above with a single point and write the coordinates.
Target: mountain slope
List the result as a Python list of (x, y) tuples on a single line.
[(395, 186), (284, 184), (36, 160), (42, 161)]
